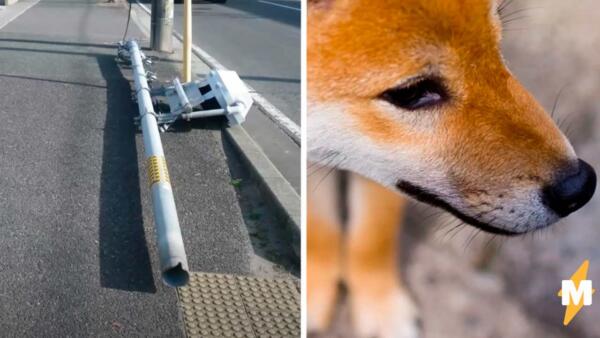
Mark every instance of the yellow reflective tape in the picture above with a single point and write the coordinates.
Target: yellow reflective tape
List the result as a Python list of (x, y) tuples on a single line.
[(157, 170)]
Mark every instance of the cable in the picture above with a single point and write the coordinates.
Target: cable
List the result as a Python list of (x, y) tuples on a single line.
[(128, 18)]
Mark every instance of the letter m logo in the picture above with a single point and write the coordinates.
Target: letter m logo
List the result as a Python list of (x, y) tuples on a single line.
[(571, 295)]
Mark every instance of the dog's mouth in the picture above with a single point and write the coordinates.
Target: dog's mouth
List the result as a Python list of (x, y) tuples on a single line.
[(425, 196)]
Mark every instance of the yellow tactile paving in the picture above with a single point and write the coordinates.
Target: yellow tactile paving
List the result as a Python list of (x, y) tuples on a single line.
[(218, 305)]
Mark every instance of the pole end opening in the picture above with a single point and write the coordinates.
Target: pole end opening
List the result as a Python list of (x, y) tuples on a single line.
[(176, 276)]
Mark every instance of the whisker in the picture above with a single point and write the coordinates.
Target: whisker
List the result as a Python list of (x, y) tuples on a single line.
[(514, 29), (558, 95), (515, 12), (462, 227), (456, 226), (472, 237), (331, 170), (503, 6), (326, 157), (507, 21), (490, 240), (450, 223), (324, 165), (433, 212)]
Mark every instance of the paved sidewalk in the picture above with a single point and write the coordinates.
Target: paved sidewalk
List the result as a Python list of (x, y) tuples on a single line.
[(76, 222)]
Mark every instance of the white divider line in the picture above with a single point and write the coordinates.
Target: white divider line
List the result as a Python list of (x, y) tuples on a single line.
[(279, 5), (27, 5), (283, 122)]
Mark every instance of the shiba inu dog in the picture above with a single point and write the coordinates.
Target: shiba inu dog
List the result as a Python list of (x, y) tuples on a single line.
[(412, 99)]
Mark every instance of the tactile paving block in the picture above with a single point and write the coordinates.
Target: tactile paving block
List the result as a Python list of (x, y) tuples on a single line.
[(217, 305)]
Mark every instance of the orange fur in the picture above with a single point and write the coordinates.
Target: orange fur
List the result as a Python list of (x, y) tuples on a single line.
[(324, 245), (486, 150), (370, 261), (359, 48)]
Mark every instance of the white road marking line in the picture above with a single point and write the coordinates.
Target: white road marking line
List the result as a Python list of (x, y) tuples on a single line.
[(284, 123), (28, 6), (279, 5)]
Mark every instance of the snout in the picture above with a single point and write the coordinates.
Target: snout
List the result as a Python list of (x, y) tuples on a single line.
[(571, 189)]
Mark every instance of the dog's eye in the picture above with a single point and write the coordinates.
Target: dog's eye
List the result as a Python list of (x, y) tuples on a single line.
[(424, 93)]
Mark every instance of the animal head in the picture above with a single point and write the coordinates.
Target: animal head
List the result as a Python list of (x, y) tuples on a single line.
[(415, 95)]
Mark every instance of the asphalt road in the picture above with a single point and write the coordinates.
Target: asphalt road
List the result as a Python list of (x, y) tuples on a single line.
[(260, 39), (76, 228)]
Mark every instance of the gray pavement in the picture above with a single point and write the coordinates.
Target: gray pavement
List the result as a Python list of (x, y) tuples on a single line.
[(76, 224)]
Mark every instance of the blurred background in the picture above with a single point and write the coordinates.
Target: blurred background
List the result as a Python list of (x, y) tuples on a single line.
[(469, 284)]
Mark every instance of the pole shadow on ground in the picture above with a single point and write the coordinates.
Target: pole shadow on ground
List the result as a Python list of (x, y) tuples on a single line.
[(124, 258)]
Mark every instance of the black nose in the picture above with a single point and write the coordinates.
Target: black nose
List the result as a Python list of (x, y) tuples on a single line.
[(571, 191)]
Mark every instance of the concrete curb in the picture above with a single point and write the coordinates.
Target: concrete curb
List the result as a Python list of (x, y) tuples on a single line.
[(278, 192), (14, 11)]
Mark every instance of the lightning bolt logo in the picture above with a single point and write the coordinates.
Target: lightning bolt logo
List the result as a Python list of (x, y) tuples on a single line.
[(580, 275)]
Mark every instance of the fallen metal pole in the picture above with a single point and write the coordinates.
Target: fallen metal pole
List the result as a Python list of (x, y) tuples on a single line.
[(173, 260)]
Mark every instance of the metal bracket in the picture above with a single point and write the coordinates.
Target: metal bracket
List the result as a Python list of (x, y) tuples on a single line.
[(221, 93)]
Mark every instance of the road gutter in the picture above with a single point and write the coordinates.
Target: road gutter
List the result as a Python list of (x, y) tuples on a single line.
[(277, 190)]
